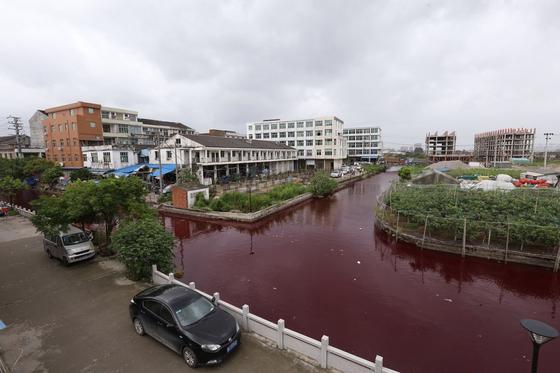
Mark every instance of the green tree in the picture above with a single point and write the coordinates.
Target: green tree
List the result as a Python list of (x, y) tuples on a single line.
[(321, 185), (51, 175), (186, 175), (36, 166), (79, 204), (51, 214), (141, 243), (81, 174), (9, 187)]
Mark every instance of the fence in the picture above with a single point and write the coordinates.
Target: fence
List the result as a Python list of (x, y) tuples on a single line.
[(508, 240), (319, 352), (21, 210), (261, 184)]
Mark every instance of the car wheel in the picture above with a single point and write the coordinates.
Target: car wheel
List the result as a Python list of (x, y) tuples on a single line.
[(49, 254), (138, 327), (65, 261), (190, 357)]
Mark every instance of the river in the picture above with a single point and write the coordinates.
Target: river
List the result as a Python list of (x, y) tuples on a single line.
[(325, 269)]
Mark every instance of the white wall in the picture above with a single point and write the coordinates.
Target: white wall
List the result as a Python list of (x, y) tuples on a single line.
[(115, 153)]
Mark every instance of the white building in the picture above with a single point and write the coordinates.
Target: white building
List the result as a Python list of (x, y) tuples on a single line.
[(109, 157), (319, 141), (216, 157), (122, 126), (363, 143)]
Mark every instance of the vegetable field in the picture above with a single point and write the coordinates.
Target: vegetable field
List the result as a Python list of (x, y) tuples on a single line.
[(515, 220)]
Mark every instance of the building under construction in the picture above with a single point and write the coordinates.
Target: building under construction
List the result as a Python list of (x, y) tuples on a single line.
[(504, 145), (440, 146)]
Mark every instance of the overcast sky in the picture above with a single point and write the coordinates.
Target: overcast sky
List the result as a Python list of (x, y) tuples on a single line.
[(407, 66)]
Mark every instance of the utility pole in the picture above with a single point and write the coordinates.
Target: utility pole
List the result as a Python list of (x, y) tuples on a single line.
[(159, 161), (547, 137), (14, 123)]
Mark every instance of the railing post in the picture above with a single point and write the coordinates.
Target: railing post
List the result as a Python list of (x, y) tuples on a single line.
[(324, 350), (280, 341), (245, 309), (507, 243), (378, 364), (170, 278), (154, 270), (464, 237), (424, 235), (217, 297), (192, 285)]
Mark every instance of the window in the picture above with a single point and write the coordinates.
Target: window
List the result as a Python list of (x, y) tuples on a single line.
[(106, 128), (300, 143), (299, 124), (250, 136), (73, 126), (257, 136), (282, 126), (72, 112), (266, 127), (309, 153), (266, 135), (318, 123), (282, 134), (300, 133), (318, 152), (106, 157), (92, 124), (274, 126), (291, 143), (178, 141), (257, 127), (168, 154), (291, 125), (60, 127), (105, 114), (274, 135), (52, 128), (308, 142), (318, 133), (249, 128), (309, 124), (291, 134), (328, 123), (67, 142), (328, 132), (62, 143), (328, 151), (123, 128), (124, 157), (309, 133), (85, 157), (318, 142), (300, 153), (90, 110), (53, 115)]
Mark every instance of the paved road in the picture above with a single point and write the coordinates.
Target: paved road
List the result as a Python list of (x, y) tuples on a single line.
[(75, 319)]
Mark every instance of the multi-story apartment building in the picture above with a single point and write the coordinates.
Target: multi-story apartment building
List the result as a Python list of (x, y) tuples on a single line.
[(66, 129), (9, 148), (36, 129), (504, 144), (440, 146), (363, 143), (319, 141), (109, 157), (214, 157), (69, 127)]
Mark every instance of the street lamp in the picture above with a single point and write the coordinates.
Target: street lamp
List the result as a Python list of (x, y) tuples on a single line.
[(540, 334)]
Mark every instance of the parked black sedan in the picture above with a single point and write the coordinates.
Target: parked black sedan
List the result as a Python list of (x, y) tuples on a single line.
[(186, 322)]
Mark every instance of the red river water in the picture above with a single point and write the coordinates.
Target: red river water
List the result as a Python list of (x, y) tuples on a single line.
[(325, 269)]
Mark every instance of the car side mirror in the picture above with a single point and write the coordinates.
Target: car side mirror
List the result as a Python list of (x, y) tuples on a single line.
[(213, 300)]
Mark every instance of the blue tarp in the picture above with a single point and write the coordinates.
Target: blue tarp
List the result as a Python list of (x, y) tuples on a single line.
[(129, 170), (167, 168)]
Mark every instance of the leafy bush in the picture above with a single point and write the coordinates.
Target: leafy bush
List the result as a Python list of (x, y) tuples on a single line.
[(81, 174), (405, 173), (10, 186), (186, 175), (141, 243), (321, 185), (164, 198), (373, 169), (200, 202)]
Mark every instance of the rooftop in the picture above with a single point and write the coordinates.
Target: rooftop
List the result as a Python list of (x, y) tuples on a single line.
[(228, 142), (155, 122)]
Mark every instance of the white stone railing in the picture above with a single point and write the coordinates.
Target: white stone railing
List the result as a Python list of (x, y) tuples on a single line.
[(21, 210), (285, 339)]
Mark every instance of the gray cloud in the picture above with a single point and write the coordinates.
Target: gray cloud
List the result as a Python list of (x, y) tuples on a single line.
[(408, 67)]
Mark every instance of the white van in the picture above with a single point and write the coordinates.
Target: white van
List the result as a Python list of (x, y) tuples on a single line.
[(70, 246)]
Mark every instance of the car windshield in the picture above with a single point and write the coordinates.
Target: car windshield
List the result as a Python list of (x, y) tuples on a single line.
[(193, 312), (74, 238)]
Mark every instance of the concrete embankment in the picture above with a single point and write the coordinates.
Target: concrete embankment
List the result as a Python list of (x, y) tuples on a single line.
[(251, 217)]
